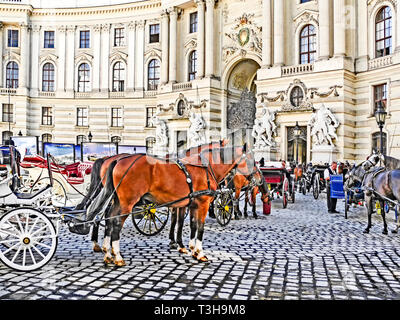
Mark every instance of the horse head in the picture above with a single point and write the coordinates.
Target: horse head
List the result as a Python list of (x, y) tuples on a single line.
[(354, 175), (372, 160)]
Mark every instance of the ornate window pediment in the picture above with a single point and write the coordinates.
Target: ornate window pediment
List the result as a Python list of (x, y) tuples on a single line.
[(83, 57), (118, 56), (49, 57), (306, 17), (153, 53)]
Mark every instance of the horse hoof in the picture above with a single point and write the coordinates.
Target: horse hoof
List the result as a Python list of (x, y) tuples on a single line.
[(173, 245), (394, 231), (384, 232), (255, 217), (97, 248), (120, 263), (366, 231), (182, 250), (104, 250), (108, 260), (203, 259)]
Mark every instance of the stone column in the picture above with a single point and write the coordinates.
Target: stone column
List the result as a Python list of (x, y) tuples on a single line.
[(36, 68), (70, 59), (105, 52), (279, 35), (266, 34), (2, 85), (25, 53), (96, 58), (140, 55), (324, 29), (210, 38), (200, 37), (131, 57), (61, 70), (173, 16), (164, 46), (339, 28)]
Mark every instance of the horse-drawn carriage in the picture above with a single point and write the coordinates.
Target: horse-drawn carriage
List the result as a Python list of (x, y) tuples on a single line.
[(277, 179), (317, 178)]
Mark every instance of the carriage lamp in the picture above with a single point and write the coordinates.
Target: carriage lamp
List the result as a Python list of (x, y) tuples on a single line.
[(90, 136), (297, 134), (380, 117)]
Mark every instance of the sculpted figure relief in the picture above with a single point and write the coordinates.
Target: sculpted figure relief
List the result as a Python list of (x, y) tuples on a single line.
[(323, 126), (161, 132), (264, 129), (196, 135)]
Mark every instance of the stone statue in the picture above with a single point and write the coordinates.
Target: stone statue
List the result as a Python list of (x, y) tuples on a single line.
[(323, 126), (161, 132), (197, 127), (264, 129)]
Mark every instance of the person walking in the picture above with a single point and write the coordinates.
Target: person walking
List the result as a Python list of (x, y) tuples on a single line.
[(327, 177)]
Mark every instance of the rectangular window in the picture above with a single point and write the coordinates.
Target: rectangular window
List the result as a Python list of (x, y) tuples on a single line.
[(82, 117), (49, 39), (47, 116), (8, 113), (154, 33), (380, 94), (304, 1), (13, 38), (119, 37), (84, 39), (116, 117), (150, 112), (193, 22)]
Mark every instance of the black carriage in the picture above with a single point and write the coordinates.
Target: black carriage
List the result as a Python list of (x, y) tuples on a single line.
[(317, 178), (279, 185)]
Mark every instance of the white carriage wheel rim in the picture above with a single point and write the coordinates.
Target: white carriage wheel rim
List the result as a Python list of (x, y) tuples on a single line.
[(27, 232)]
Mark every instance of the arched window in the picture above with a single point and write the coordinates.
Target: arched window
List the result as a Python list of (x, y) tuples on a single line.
[(383, 32), (118, 77), (308, 44), (84, 78), (12, 75), (6, 136), (150, 142), (192, 65), (48, 78), (81, 138), (46, 137), (376, 141), (153, 75), (181, 108)]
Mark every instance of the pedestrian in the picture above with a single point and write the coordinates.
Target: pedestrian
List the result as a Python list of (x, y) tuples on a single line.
[(262, 162), (327, 177)]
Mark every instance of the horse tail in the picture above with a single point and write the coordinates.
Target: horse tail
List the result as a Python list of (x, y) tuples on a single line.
[(95, 184), (103, 199)]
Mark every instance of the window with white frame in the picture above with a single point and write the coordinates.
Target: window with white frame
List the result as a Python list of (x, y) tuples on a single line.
[(12, 38), (83, 78), (48, 77), (308, 44), (383, 32), (82, 117), (47, 116), (116, 117)]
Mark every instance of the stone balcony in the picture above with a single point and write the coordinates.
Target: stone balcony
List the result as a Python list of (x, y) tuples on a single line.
[(380, 62), (7, 91), (297, 69)]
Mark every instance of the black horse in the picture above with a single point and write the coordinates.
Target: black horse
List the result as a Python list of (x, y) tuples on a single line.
[(377, 183)]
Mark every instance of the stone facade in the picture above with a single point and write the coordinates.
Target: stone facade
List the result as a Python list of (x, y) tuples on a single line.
[(239, 44)]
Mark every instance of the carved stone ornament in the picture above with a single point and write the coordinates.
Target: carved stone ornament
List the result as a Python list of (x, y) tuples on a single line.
[(241, 115), (244, 36), (323, 127), (264, 129), (196, 132)]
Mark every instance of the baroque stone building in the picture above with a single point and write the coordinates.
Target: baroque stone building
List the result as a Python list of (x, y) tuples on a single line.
[(71, 68)]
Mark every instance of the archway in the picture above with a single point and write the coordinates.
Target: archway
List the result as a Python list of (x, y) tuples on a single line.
[(241, 101)]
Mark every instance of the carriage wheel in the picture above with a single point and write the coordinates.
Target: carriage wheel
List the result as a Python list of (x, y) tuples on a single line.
[(316, 186), (150, 220), (223, 208), (58, 197), (285, 191), (303, 186), (28, 239)]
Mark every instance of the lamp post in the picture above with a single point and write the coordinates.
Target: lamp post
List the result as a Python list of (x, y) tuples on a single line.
[(380, 117), (90, 136), (297, 134)]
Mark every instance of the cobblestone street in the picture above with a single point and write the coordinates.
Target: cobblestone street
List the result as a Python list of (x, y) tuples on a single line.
[(301, 252)]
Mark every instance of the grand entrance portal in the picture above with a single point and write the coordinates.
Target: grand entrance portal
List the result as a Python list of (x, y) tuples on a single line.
[(297, 147)]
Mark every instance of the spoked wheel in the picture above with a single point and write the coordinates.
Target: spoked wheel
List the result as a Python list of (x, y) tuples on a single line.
[(28, 239), (316, 186), (223, 208), (150, 220), (285, 193)]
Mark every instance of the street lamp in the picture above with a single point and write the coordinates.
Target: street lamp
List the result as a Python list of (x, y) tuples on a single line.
[(20, 133), (380, 117), (297, 134), (90, 136)]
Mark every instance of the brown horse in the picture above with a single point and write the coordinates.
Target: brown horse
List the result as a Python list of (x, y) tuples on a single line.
[(98, 180), (129, 179)]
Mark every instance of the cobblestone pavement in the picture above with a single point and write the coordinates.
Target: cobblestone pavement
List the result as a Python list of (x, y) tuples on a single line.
[(301, 252)]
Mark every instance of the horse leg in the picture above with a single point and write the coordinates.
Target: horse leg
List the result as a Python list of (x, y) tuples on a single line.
[(172, 243), (201, 217), (237, 211), (193, 229), (368, 203), (385, 231), (181, 218), (95, 237), (106, 248), (117, 223), (254, 199)]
